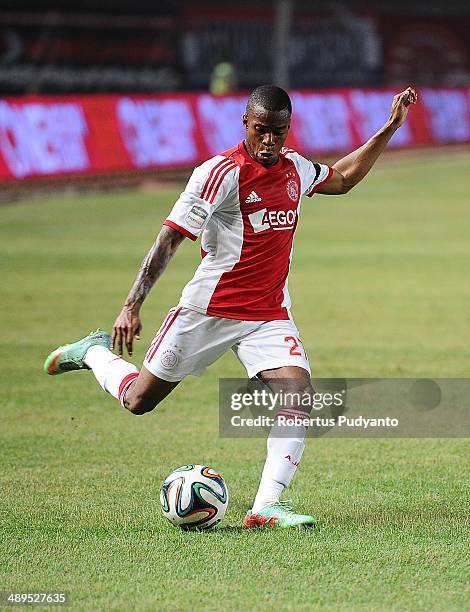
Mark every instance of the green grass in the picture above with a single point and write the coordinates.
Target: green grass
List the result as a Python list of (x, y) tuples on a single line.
[(380, 288)]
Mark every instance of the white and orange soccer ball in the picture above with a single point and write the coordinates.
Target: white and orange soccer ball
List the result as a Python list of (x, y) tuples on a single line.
[(194, 497)]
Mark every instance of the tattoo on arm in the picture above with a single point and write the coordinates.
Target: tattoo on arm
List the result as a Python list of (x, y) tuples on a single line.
[(153, 266)]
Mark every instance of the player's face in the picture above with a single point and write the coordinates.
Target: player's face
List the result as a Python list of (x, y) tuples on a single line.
[(266, 133)]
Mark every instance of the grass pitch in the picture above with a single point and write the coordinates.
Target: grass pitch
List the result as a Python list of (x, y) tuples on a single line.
[(380, 288)]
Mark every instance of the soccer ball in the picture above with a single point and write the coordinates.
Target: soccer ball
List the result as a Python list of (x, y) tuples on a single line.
[(194, 497)]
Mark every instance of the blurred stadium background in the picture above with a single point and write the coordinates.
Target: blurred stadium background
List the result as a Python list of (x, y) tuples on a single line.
[(99, 94)]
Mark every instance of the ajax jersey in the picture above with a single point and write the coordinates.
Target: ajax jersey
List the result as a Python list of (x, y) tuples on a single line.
[(246, 214)]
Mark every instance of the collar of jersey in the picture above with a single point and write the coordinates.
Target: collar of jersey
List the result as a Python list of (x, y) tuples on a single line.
[(273, 168)]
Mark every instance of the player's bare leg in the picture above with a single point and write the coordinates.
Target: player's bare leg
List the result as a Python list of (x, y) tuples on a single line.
[(146, 392), (285, 446), (138, 392)]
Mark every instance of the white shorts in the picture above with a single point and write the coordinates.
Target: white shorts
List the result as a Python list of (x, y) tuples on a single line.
[(188, 341)]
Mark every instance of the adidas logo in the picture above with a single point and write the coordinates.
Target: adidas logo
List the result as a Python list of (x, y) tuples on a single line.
[(252, 198)]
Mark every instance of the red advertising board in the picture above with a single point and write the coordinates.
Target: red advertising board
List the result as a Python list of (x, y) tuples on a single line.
[(60, 135)]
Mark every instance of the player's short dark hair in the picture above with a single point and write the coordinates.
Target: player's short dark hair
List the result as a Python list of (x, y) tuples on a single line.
[(270, 98)]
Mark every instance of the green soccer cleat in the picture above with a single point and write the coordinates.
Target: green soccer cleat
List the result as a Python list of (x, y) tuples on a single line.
[(280, 515), (70, 356)]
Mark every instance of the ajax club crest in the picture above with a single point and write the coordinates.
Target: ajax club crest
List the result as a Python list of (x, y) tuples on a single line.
[(292, 190)]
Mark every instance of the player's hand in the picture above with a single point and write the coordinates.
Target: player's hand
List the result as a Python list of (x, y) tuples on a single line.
[(400, 105), (126, 327)]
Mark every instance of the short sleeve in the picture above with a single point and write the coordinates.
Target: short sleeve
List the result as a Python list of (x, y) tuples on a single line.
[(320, 175), (312, 175), (207, 188)]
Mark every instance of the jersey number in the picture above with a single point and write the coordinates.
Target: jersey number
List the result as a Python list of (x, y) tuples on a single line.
[(294, 345)]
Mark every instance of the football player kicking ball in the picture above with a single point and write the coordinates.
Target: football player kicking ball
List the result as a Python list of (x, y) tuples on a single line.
[(244, 203)]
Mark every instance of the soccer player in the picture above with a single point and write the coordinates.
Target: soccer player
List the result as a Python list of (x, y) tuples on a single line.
[(244, 203)]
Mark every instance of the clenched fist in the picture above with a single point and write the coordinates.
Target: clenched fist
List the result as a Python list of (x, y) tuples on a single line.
[(400, 105)]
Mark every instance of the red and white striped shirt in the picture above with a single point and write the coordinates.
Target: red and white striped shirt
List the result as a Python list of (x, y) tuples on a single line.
[(247, 214)]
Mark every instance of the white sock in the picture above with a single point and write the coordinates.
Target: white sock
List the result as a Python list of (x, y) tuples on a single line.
[(113, 373), (284, 454)]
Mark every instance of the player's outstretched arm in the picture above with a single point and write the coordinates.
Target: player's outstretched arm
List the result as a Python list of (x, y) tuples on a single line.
[(128, 325), (350, 170)]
